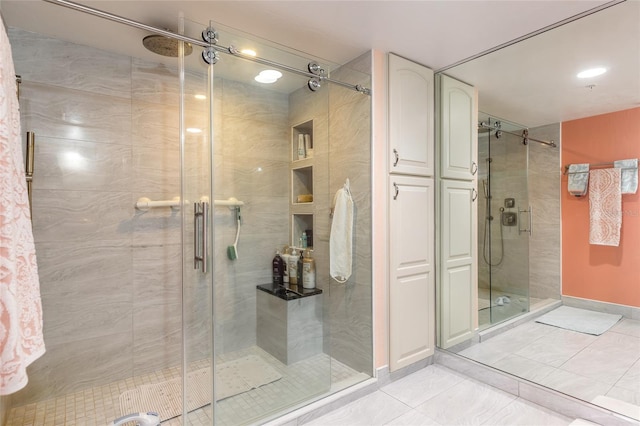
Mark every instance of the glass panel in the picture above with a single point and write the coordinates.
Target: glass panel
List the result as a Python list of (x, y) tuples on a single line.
[(110, 273), (197, 235), (273, 150), (503, 221), (270, 343)]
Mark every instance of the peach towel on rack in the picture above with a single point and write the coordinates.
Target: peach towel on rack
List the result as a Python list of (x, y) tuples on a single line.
[(605, 207), (21, 340)]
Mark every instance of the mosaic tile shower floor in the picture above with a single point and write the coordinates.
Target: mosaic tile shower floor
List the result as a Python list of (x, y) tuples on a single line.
[(100, 405)]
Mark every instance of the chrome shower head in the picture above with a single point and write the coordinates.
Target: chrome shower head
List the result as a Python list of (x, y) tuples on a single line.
[(165, 46)]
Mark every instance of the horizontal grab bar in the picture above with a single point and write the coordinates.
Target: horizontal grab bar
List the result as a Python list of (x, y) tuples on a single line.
[(145, 203)]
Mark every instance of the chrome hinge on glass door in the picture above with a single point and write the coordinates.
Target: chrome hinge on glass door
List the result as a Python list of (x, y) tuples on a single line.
[(200, 235)]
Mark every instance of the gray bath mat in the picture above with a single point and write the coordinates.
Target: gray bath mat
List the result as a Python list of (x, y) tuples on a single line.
[(581, 320), (232, 378)]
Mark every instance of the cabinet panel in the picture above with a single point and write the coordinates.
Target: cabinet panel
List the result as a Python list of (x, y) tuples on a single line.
[(458, 129), (457, 320), (411, 117), (458, 261), (411, 339), (411, 256)]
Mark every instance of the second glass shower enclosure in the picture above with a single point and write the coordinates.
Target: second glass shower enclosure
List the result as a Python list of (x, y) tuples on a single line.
[(504, 221)]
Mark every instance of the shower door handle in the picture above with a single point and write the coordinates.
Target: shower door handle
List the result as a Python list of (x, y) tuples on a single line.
[(204, 237), (200, 231)]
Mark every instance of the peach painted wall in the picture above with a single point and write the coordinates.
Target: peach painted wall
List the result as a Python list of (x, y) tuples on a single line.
[(603, 273)]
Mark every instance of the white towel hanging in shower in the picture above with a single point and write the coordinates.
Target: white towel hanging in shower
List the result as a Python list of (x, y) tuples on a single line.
[(341, 239)]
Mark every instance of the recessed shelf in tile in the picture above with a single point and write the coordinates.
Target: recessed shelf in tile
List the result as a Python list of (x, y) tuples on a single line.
[(302, 185), (302, 141)]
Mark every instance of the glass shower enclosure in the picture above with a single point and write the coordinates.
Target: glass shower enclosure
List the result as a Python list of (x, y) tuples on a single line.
[(504, 221), (148, 170)]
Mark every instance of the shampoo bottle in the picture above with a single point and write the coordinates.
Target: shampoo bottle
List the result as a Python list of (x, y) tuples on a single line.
[(278, 269), (301, 150), (303, 238), (293, 267), (308, 271), (285, 260)]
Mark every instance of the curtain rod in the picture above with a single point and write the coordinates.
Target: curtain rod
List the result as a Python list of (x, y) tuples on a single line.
[(228, 50), (525, 135)]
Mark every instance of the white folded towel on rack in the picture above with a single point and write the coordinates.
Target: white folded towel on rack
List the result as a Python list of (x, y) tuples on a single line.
[(578, 179), (629, 175), (341, 239)]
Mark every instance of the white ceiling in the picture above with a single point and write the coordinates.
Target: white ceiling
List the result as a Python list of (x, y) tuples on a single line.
[(434, 33)]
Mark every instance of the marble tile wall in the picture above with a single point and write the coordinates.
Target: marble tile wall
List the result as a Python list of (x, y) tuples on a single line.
[(350, 157), (544, 194), (5, 406), (252, 155), (342, 149), (106, 134), (82, 210)]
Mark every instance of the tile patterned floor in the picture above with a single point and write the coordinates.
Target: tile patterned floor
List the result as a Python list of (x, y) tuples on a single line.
[(581, 365), (100, 405), (438, 396)]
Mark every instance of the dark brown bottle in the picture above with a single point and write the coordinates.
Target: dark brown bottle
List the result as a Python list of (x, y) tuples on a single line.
[(299, 271), (278, 269)]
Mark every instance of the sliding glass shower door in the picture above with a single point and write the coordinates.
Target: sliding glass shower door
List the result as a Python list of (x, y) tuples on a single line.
[(196, 149), (504, 221)]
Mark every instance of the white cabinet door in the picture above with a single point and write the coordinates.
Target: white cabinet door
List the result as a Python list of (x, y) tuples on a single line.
[(411, 118), (458, 129), (412, 281), (458, 264)]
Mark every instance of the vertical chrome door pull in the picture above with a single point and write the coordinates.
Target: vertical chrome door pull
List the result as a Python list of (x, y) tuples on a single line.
[(200, 231), (205, 233)]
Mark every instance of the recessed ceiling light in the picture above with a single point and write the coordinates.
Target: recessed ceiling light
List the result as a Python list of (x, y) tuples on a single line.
[(193, 130), (248, 52), (268, 76), (592, 72), (201, 97)]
